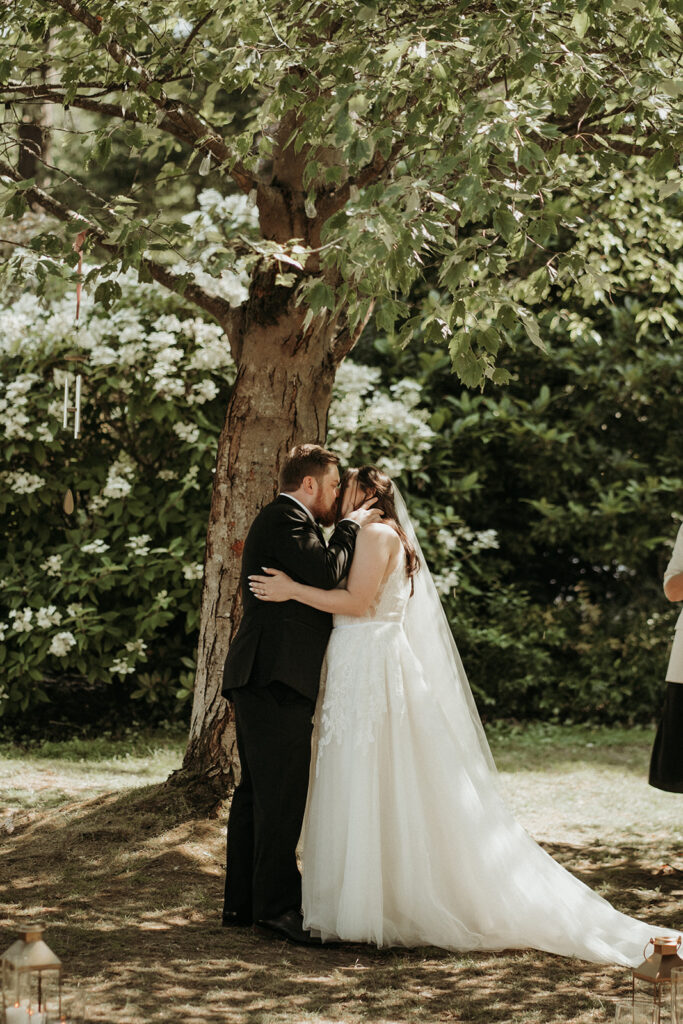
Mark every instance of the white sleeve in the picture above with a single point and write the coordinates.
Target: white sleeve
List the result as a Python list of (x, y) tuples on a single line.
[(675, 565)]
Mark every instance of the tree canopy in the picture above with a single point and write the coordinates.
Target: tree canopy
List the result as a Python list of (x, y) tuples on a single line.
[(378, 141)]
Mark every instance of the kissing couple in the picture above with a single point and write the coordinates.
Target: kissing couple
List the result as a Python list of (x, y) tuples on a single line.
[(354, 718)]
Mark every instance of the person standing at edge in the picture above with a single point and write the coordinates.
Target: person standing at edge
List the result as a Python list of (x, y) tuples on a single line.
[(272, 675), (666, 765)]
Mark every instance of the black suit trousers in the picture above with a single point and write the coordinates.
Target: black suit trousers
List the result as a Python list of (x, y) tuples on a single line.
[(273, 730)]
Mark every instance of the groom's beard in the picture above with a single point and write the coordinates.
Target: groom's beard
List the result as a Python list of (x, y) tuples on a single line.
[(326, 517)]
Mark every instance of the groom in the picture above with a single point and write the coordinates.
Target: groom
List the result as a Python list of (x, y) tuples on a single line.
[(271, 674)]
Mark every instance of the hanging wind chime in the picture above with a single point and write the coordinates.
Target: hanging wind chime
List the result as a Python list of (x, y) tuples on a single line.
[(68, 504)]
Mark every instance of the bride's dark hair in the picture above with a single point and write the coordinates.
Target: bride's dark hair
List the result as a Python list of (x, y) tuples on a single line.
[(377, 484)]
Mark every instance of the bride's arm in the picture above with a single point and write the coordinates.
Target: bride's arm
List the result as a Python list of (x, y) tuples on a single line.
[(376, 544)]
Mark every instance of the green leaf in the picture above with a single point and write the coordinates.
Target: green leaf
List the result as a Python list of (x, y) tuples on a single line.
[(530, 325), (320, 296), (580, 23), (505, 223)]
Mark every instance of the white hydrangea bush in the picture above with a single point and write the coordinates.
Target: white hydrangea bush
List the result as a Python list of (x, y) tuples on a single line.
[(389, 426), (115, 586), (112, 591)]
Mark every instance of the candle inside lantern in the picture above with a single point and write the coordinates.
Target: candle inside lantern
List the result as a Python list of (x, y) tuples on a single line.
[(77, 418), (17, 1015), (66, 400)]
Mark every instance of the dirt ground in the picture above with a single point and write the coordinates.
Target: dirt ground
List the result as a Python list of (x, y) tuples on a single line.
[(131, 897)]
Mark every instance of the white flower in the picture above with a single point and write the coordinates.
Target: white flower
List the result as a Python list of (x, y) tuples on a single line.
[(103, 355), (13, 422), (407, 391), (205, 391), (394, 421), (170, 387), (355, 378), (136, 647), (52, 566), (3, 629), (160, 340), (212, 353), (44, 433), (392, 467), (48, 616), (116, 487), (97, 503), (21, 620), (119, 477), (139, 545), (23, 483), (448, 539), (193, 572), (167, 474), (20, 385), (121, 667), (95, 547), (187, 432), (485, 539), (62, 644), (124, 664), (445, 582), (74, 610), (169, 322)]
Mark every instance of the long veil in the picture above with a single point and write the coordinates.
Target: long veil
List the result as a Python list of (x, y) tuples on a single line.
[(431, 640)]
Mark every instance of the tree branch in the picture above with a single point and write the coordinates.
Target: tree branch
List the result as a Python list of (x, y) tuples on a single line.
[(180, 114), (46, 93), (347, 339), (193, 34), (227, 316), (369, 174)]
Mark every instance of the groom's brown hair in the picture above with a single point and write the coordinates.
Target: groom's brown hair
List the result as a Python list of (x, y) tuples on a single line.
[(305, 460)]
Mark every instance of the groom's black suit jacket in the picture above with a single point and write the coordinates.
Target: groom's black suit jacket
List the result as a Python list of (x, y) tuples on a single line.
[(286, 641)]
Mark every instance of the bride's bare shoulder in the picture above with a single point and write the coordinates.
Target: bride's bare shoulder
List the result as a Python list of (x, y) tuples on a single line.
[(380, 533)]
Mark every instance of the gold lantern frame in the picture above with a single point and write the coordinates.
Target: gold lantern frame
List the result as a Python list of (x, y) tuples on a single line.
[(652, 978)]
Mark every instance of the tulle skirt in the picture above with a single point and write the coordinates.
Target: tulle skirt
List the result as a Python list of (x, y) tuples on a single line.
[(407, 838)]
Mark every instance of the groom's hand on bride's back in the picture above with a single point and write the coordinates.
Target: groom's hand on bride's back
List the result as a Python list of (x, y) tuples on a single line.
[(365, 514)]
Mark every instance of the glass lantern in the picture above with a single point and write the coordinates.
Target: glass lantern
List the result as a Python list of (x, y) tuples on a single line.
[(31, 981), (652, 980)]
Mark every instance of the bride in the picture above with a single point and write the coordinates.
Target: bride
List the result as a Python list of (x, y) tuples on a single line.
[(407, 839)]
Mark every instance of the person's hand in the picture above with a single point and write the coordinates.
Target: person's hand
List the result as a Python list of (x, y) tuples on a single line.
[(365, 514), (276, 586)]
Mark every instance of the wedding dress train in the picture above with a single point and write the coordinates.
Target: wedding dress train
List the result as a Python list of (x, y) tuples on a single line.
[(407, 838)]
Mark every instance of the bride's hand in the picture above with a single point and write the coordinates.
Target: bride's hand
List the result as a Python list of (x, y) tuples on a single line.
[(276, 586)]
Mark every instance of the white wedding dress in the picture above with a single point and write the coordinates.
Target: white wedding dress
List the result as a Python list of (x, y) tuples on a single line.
[(407, 838)]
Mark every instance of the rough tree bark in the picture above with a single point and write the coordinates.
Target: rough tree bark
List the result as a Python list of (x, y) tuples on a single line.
[(281, 397)]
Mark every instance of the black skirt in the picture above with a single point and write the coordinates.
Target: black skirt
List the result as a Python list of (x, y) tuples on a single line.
[(666, 764)]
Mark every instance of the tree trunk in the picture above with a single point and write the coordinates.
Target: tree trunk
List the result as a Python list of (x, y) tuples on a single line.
[(281, 397)]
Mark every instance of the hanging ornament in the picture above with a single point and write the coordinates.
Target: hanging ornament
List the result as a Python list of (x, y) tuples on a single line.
[(68, 503)]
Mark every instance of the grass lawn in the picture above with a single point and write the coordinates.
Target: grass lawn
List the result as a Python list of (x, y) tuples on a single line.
[(131, 894)]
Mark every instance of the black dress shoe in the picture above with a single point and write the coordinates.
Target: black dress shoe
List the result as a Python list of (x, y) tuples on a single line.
[(290, 926), (233, 919)]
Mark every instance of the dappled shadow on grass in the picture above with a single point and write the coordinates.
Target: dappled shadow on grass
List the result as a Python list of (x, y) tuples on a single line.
[(130, 886)]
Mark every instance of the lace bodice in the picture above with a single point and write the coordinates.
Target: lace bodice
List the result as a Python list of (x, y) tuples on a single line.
[(361, 666), (389, 604)]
